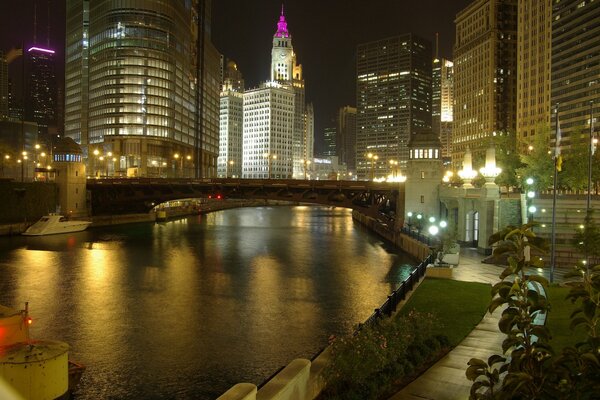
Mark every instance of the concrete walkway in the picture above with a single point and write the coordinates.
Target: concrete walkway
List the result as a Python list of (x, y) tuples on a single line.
[(446, 379)]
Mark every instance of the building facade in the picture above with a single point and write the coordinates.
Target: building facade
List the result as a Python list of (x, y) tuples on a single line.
[(393, 93), (3, 86), (534, 38), (142, 83), (40, 89), (575, 65), (330, 141), (346, 137), (268, 130), (275, 144), (231, 120), (484, 75), (443, 102)]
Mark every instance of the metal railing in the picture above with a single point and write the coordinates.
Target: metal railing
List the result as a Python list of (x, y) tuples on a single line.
[(389, 306)]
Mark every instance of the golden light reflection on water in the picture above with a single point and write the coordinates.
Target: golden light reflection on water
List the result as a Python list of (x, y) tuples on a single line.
[(101, 303), (156, 310)]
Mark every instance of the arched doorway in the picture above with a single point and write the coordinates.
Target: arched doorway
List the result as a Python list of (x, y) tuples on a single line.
[(472, 228)]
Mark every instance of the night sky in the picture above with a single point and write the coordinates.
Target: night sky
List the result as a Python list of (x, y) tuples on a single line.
[(324, 34)]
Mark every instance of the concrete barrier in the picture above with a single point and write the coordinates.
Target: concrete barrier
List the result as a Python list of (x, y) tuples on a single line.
[(241, 391), (289, 384)]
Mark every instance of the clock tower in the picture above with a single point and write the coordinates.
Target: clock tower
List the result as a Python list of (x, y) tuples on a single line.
[(283, 59)]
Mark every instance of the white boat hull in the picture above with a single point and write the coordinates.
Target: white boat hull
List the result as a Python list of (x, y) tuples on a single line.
[(55, 224)]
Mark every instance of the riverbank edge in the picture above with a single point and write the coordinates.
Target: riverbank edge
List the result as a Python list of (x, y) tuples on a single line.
[(17, 228)]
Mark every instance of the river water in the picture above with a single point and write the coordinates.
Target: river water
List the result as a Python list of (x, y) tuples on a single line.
[(186, 309)]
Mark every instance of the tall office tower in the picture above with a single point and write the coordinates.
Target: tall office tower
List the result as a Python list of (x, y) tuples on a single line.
[(442, 98), (329, 141), (310, 133), (534, 38), (40, 88), (484, 75), (232, 78), (286, 70), (436, 93), (268, 131), (3, 86), (575, 65), (142, 82), (346, 137), (229, 163), (393, 92)]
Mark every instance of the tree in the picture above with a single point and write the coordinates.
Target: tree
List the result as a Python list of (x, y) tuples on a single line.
[(508, 159), (587, 239), (532, 370), (596, 170), (574, 172), (538, 163)]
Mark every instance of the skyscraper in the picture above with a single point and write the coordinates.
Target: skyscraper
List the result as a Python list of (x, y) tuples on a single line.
[(285, 149), (229, 163), (393, 94), (575, 64), (346, 137), (442, 102), (142, 82), (534, 46), (3, 86), (268, 132), (484, 75), (330, 141), (40, 88)]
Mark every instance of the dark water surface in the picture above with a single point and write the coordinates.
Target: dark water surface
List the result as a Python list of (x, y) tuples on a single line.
[(186, 309)]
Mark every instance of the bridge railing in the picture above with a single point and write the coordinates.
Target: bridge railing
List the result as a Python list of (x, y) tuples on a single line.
[(390, 305)]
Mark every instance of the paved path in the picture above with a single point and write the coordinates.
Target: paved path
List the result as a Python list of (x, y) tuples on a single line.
[(446, 379)]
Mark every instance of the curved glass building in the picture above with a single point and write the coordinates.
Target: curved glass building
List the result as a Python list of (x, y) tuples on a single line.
[(141, 87)]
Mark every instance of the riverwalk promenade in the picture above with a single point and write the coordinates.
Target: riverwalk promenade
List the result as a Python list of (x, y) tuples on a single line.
[(446, 380)]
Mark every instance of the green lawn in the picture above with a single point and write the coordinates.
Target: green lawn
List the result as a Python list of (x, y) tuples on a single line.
[(459, 306), (559, 319)]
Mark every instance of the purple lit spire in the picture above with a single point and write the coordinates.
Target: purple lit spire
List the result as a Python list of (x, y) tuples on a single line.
[(282, 30)]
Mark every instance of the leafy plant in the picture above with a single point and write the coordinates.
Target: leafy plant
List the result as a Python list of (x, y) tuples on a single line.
[(526, 342), (532, 371), (365, 364)]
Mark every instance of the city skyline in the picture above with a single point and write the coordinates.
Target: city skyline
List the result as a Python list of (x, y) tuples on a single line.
[(322, 31), (326, 36)]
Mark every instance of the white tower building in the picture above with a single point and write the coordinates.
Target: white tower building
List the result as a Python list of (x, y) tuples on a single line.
[(268, 132)]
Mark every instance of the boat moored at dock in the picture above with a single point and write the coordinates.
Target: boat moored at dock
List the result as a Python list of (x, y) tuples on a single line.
[(52, 224)]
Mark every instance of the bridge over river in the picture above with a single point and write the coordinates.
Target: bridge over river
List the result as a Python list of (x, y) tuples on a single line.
[(139, 195)]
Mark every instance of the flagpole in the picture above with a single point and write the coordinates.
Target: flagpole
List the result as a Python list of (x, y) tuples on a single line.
[(555, 183), (589, 185)]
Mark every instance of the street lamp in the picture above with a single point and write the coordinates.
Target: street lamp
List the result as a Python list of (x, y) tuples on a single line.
[(96, 152), (23, 172), (189, 159), (528, 201), (305, 163), (373, 158), (109, 157), (229, 166), (177, 157), (270, 158), (101, 162), (4, 159)]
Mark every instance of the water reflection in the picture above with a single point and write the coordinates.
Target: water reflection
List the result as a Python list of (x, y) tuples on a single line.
[(188, 308)]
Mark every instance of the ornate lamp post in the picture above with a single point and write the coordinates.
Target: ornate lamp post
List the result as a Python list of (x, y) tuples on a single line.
[(467, 173)]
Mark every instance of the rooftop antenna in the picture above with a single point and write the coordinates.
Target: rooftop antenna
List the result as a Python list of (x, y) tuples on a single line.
[(437, 45), (48, 33), (34, 23)]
